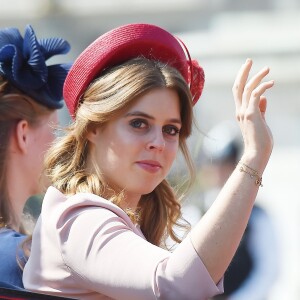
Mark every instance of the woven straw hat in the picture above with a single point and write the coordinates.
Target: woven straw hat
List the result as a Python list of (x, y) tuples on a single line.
[(124, 43)]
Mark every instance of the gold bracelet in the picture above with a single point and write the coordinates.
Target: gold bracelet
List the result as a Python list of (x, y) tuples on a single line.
[(253, 173)]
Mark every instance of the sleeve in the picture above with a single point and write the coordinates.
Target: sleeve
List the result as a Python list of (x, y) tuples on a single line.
[(108, 257)]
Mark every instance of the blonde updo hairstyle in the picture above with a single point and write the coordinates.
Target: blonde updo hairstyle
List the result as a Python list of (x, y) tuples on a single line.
[(114, 91)]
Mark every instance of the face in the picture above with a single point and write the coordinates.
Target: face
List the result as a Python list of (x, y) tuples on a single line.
[(136, 150), (41, 137)]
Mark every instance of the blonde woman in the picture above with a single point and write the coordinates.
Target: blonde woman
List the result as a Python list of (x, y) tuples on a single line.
[(30, 94), (105, 218)]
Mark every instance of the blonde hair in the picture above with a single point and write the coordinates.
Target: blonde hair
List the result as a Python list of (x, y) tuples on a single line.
[(107, 96), (14, 106)]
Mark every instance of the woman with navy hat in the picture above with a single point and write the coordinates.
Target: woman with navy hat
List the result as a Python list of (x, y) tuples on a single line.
[(30, 94), (110, 208)]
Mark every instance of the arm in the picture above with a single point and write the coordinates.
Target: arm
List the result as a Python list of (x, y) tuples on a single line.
[(107, 256), (217, 235)]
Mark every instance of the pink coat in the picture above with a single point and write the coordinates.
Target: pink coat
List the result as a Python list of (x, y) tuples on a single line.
[(85, 247)]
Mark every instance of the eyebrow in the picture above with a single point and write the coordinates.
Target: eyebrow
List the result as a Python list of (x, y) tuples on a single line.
[(142, 114)]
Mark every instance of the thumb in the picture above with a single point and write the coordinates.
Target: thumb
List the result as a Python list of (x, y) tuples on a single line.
[(263, 106)]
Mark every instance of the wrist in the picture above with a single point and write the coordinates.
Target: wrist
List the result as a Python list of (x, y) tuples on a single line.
[(254, 174), (255, 161)]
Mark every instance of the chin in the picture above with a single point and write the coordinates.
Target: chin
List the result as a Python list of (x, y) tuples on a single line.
[(146, 191)]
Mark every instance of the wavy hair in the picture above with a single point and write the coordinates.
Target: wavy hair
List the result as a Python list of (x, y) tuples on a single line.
[(115, 90)]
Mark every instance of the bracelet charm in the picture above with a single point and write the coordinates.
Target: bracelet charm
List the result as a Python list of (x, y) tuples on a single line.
[(253, 173)]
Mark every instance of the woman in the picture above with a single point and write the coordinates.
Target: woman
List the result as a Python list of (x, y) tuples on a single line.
[(104, 220), (30, 94)]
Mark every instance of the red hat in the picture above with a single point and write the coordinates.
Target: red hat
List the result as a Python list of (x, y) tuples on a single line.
[(124, 43)]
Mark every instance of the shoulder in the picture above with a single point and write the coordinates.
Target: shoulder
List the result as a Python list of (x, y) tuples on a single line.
[(11, 243), (55, 199), (10, 238), (10, 251), (82, 209)]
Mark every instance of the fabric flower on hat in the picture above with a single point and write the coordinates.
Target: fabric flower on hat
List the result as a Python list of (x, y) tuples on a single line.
[(197, 79), (23, 64)]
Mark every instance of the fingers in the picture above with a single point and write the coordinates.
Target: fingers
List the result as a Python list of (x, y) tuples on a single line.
[(251, 106), (253, 83), (263, 106), (256, 94), (246, 93), (240, 81)]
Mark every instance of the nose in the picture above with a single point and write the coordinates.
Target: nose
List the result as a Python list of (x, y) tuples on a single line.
[(156, 141)]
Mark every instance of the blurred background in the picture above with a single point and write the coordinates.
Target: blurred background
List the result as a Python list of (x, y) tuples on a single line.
[(220, 34)]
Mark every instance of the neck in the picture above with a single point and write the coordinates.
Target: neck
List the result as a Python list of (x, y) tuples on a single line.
[(130, 202), (19, 190)]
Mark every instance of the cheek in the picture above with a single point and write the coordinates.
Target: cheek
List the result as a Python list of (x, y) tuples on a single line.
[(126, 143), (121, 151), (41, 147), (47, 138), (171, 152)]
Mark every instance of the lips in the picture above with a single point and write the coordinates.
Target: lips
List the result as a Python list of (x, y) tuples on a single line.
[(150, 166)]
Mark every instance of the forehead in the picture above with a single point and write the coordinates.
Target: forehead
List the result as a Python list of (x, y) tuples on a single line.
[(160, 100)]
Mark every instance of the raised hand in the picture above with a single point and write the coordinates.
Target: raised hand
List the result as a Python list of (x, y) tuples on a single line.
[(251, 106)]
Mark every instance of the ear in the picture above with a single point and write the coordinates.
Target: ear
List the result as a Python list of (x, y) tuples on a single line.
[(22, 132), (92, 134)]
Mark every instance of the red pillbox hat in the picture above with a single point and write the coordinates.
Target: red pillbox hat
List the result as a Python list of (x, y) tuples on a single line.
[(124, 43)]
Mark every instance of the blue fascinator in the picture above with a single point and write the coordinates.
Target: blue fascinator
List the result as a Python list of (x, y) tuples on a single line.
[(23, 64)]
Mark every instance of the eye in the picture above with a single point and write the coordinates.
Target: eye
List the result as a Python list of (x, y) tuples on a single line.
[(171, 130), (138, 123)]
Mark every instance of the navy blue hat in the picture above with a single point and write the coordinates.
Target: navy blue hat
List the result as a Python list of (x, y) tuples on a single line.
[(23, 64)]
